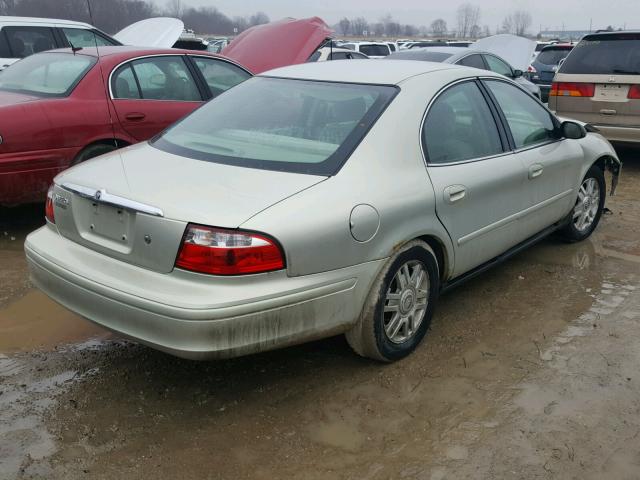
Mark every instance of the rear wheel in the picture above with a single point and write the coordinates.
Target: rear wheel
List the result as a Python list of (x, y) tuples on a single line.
[(400, 305), (588, 208), (93, 151)]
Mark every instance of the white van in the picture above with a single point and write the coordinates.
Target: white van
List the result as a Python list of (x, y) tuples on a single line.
[(23, 36)]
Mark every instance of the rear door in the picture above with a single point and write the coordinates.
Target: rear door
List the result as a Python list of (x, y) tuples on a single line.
[(552, 164), (596, 81), (477, 181), (151, 93)]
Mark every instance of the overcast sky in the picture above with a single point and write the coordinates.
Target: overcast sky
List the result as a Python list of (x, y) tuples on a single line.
[(551, 14)]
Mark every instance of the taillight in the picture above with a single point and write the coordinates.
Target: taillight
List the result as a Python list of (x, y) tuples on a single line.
[(48, 206), (532, 69), (634, 92), (228, 252), (571, 89)]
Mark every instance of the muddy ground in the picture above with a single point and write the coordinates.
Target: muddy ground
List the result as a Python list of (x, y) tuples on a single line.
[(530, 371)]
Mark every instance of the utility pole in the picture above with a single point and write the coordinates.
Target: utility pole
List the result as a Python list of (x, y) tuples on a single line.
[(590, 25)]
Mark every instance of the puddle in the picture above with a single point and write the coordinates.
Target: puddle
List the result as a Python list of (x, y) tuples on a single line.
[(35, 322)]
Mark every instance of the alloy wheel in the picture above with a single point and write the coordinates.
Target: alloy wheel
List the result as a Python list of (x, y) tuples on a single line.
[(587, 205)]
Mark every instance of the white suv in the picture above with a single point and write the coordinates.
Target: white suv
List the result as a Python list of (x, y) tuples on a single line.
[(23, 36)]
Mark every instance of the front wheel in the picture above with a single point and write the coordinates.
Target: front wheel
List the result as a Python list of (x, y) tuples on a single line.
[(398, 310), (588, 208)]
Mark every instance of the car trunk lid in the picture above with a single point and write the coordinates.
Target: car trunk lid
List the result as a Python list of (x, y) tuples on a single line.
[(135, 204), (159, 32), (278, 44)]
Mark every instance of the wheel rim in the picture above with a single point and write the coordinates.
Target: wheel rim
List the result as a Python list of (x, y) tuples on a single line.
[(406, 302), (587, 205)]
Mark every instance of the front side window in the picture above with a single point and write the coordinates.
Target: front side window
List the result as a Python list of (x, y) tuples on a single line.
[(25, 41), (474, 61), (530, 123), (460, 126), (498, 66), (83, 38), (280, 124), (47, 74), (220, 75)]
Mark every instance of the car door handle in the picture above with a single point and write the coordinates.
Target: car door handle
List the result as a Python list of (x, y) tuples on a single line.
[(135, 117), (607, 111), (535, 171), (454, 193)]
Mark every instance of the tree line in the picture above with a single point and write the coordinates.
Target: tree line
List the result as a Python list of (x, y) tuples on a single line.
[(113, 15), (467, 25)]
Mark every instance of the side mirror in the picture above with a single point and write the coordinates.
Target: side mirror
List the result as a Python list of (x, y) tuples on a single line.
[(573, 130), (517, 73)]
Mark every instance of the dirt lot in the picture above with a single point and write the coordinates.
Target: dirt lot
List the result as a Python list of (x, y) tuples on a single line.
[(530, 371)]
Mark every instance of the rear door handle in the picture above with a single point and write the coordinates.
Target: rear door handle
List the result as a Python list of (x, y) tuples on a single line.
[(454, 193), (135, 117), (606, 111), (535, 171)]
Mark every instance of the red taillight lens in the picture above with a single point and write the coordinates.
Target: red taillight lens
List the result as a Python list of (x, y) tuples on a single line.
[(48, 206), (228, 252), (570, 89), (634, 92), (532, 69)]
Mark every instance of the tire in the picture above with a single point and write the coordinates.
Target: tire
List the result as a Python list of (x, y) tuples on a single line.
[(586, 213), (372, 336), (93, 151)]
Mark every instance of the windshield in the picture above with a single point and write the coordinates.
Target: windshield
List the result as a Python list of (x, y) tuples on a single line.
[(47, 74), (552, 56), (280, 124), (605, 55), (425, 56), (375, 50)]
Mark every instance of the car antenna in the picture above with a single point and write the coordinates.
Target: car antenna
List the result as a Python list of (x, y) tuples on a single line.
[(74, 49), (106, 94)]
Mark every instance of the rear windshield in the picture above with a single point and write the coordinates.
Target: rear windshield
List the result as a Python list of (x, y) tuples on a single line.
[(280, 124), (420, 55), (46, 74), (552, 56), (605, 55), (375, 50)]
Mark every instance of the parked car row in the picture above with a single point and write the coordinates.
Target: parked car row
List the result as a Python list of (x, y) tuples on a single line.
[(290, 205)]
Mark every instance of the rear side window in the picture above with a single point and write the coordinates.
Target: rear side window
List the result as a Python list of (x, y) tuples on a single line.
[(528, 121), (605, 55), (474, 61), (375, 50), (460, 126), (425, 56), (81, 37), (220, 75), (4, 46), (552, 56), (124, 84), (25, 41)]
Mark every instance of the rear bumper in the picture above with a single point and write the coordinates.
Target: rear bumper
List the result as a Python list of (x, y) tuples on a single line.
[(619, 134), (197, 316)]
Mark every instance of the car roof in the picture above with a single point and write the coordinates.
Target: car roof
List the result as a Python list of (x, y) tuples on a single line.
[(449, 50), (71, 23), (361, 71), (558, 45), (130, 51)]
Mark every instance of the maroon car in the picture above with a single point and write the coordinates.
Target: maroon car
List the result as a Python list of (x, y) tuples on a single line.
[(62, 107)]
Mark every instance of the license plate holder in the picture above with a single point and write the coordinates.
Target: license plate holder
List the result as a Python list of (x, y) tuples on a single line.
[(612, 92), (110, 222)]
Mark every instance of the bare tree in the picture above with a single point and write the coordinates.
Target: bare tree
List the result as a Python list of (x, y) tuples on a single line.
[(467, 16), (475, 31), (486, 31), (359, 25), (175, 8), (345, 26), (517, 23), (7, 6), (259, 18), (439, 27), (409, 30)]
